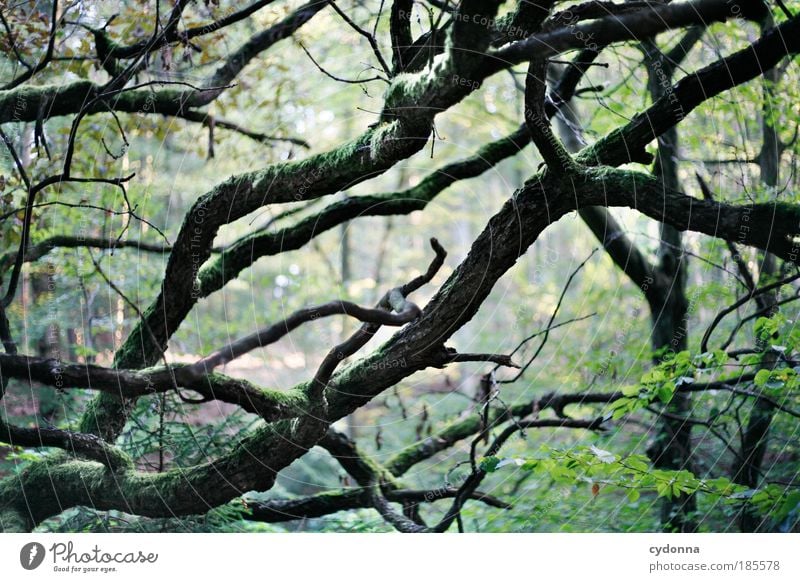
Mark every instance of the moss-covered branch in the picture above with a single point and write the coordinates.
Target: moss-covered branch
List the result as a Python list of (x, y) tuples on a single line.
[(770, 226), (39, 103), (628, 142), (508, 235), (329, 502), (411, 104), (83, 445), (243, 253), (269, 404)]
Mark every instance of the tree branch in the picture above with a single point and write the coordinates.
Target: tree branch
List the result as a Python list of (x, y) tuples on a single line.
[(84, 445)]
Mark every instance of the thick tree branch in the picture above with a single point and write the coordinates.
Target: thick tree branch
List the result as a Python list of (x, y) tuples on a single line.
[(329, 502), (400, 32), (269, 404), (84, 445), (552, 151), (628, 142), (243, 253), (26, 103)]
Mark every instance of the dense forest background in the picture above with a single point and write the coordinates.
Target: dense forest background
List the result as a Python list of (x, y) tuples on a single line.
[(624, 374)]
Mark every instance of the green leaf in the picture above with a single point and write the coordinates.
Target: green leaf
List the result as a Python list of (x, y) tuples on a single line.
[(762, 377), (638, 463), (489, 464), (791, 503), (664, 393), (664, 489), (603, 456), (630, 390)]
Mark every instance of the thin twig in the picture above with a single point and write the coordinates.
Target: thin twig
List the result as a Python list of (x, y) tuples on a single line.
[(546, 331)]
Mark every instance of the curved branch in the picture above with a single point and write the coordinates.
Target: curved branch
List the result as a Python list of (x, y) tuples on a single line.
[(41, 103), (35, 252), (274, 332), (172, 35), (271, 405), (771, 226), (552, 151), (84, 445), (394, 299), (754, 294), (627, 143), (55, 20), (400, 32), (322, 504), (243, 253)]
